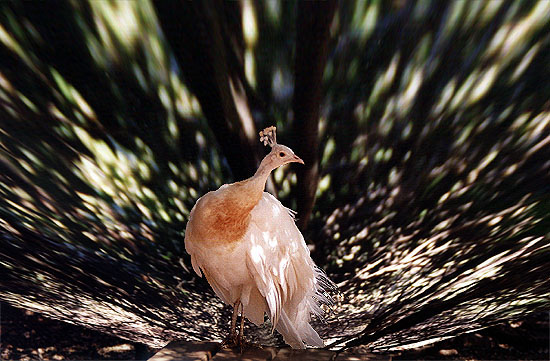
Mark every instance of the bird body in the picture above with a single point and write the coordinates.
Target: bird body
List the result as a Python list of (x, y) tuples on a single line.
[(247, 245)]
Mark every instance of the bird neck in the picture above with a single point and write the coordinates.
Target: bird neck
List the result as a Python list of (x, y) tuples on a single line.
[(250, 190), (255, 185), (261, 175)]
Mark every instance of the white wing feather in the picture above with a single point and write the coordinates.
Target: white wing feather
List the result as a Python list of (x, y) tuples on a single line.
[(284, 272)]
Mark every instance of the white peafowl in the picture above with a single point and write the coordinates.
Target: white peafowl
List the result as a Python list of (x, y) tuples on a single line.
[(247, 245)]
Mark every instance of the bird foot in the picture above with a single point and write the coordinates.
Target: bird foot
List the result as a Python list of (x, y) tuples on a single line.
[(246, 345), (231, 341)]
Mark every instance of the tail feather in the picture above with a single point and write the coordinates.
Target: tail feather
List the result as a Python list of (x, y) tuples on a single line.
[(311, 337), (295, 333), (289, 332)]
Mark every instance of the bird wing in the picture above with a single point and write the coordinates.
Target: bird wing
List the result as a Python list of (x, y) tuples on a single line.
[(194, 237), (284, 273)]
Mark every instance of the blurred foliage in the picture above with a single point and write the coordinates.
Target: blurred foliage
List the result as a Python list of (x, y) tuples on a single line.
[(432, 209)]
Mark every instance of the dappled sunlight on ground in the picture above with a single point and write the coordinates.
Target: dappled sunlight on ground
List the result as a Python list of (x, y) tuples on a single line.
[(432, 209)]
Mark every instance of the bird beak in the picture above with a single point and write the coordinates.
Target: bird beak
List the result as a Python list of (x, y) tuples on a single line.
[(297, 159)]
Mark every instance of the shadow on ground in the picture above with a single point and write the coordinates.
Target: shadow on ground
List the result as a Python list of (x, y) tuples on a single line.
[(30, 336)]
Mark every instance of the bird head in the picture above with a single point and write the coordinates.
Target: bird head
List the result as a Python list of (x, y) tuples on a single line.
[(280, 154)]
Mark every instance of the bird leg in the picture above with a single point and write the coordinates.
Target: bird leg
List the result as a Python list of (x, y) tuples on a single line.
[(242, 342), (241, 339), (233, 332), (231, 340)]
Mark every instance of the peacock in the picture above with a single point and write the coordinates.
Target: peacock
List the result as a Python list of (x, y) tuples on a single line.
[(253, 255)]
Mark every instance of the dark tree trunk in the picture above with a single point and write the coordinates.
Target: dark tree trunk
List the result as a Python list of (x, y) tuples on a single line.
[(312, 38)]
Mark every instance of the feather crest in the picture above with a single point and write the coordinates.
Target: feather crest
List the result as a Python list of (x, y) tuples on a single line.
[(269, 136)]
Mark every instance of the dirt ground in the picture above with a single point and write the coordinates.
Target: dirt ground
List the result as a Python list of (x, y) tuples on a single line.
[(30, 336)]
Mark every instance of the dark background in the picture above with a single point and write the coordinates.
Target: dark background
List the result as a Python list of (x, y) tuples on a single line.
[(424, 126)]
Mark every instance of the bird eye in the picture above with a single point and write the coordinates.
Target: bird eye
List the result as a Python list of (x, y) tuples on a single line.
[(282, 154)]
